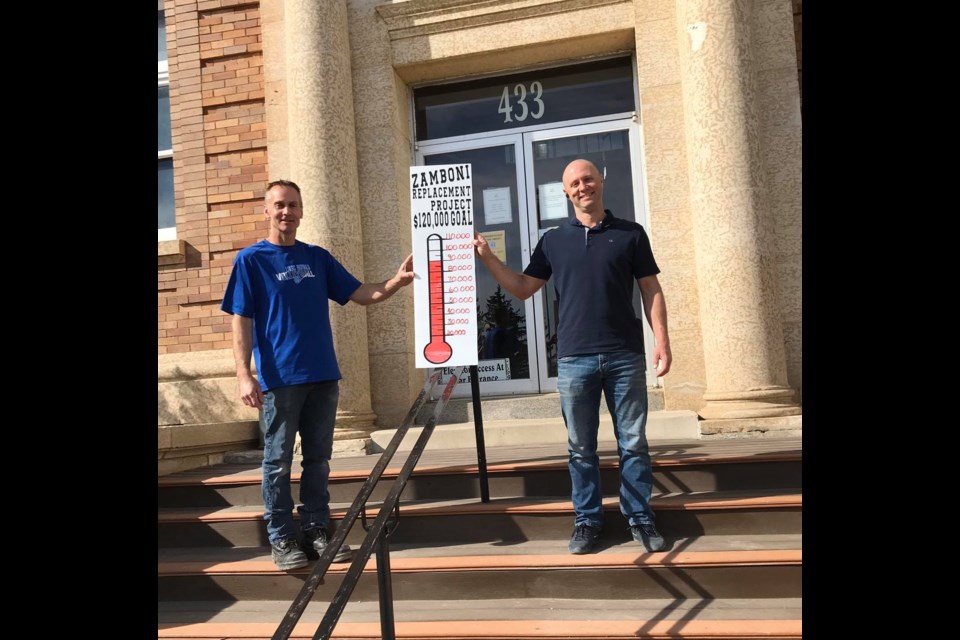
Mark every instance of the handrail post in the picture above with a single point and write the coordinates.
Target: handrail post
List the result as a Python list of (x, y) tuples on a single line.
[(478, 428), (385, 584)]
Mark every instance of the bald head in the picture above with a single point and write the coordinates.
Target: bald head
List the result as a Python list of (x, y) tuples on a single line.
[(583, 184)]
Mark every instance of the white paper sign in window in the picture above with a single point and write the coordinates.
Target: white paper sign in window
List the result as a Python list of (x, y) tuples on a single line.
[(553, 201), (497, 208)]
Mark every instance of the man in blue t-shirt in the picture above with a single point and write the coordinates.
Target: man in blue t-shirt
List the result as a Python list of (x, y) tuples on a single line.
[(277, 293), (594, 259)]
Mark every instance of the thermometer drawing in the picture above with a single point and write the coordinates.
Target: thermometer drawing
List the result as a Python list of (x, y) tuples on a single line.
[(437, 351)]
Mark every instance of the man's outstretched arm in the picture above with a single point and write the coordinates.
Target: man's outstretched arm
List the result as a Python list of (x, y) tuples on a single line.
[(374, 293), (519, 284)]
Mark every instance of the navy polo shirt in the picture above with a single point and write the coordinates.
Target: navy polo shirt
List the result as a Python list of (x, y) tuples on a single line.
[(594, 272)]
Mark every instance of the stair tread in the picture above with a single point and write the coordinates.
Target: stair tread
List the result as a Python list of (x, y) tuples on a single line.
[(667, 501), (700, 550), (173, 613), (662, 453)]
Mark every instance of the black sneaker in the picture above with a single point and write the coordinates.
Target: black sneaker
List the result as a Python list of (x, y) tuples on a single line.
[(646, 533), (287, 555), (315, 541), (583, 538)]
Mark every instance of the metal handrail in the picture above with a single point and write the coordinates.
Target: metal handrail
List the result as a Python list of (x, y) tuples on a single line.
[(377, 533)]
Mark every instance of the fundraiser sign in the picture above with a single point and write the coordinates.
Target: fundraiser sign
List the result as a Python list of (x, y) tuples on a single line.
[(445, 289)]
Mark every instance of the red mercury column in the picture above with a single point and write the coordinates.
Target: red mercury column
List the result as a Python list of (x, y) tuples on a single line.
[(438, 351)]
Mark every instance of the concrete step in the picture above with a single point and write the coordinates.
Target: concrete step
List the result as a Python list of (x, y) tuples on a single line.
[(546, 476), (543, 429), (754, 566), (519, 407), (504, 520), (504, 619)]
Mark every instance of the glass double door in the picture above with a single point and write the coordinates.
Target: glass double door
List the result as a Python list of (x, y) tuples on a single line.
[(517, 197)]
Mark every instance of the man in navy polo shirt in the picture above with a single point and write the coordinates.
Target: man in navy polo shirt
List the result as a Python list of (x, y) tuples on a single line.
[(594, 261), (278, 294)]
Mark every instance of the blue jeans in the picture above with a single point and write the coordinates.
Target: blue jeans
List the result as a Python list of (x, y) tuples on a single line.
[(622, 377), (310, 409)]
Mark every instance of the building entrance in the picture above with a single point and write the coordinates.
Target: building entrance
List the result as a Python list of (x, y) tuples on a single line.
[(518, 196)]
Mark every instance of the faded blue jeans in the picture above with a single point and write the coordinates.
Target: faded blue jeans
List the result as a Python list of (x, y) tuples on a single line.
[(310, 409), (622, 377)]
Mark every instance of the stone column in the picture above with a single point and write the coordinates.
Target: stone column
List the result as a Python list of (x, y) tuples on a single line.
[(323, 162), (733, 229)]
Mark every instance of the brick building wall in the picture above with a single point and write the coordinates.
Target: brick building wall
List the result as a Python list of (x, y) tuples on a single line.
[(215, 58)]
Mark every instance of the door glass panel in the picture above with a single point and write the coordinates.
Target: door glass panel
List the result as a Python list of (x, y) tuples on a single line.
[(501, 318), (610, 152)]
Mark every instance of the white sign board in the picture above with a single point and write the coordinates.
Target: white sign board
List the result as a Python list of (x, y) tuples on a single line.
[(445, 287), (487, 370)]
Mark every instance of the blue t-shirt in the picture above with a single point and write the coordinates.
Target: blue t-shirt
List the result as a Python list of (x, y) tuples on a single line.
[(594, 272), (285, 290)]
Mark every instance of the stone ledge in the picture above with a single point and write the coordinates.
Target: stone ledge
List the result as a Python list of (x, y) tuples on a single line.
[(349, 448), (661, 425), (171, 253), (428, 17), (547, 405), (753, 427), (187, 446)]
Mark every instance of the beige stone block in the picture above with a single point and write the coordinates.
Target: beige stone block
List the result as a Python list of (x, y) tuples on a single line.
[(348, 250), (275, 111), (774, 41), (782, 426), (790, 283), (647, 10), (164, 438), (664, 148), (195, 365), (208, 400), (369, 37), (684, 386), (658, 56), (495, 42), (389, 328), (274, 51), (167, 466), (211, 434), (378, 190), (395, 382), (403, 159), (673, 247), (422, 70), (271, 11), (793, 348), (403, 115), (375, 97)]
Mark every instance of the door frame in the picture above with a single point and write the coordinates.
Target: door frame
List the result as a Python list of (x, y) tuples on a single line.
[(523, 141), (549, 384)]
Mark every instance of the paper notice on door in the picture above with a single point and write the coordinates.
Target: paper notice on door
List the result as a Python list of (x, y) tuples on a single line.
[(497, 207), (498, 243), (553, 202)]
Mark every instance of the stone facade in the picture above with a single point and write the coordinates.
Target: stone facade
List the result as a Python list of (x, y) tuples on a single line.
[(719, 108)]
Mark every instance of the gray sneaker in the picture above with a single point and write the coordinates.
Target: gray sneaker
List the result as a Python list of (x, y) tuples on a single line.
[(315, 541), (584, 538), (287, 555), (646, 534)]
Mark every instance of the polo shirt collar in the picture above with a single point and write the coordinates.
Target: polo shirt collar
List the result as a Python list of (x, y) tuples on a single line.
[(606, 222)]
